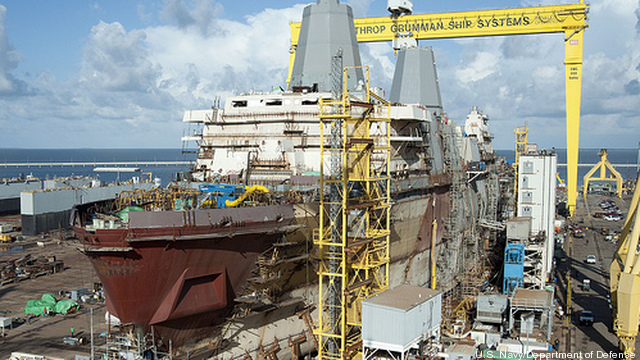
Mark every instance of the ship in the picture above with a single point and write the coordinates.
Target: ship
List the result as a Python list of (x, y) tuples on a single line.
[(226, 256)]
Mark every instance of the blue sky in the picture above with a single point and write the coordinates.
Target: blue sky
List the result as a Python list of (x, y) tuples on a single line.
[(119, 73)]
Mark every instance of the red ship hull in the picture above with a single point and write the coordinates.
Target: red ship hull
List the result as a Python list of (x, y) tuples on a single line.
[(180, 271)]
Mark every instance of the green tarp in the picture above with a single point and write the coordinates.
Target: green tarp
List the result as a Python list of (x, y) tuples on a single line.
[(124, 213), (49, 305), (65, 305)]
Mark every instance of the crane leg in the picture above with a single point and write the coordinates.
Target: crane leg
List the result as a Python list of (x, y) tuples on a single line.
[(627, 299), (573, 82)]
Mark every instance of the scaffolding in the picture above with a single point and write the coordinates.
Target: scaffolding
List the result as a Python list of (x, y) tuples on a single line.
[(353, 235), (521, 149)]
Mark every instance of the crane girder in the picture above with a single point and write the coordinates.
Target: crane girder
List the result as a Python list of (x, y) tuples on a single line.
[(570, 19), (517, 21)]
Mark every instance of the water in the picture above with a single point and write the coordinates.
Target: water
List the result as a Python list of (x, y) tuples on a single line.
[(165, 173), (590, 156)]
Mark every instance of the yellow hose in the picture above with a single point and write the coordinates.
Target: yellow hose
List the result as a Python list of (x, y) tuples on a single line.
[(247, 190)]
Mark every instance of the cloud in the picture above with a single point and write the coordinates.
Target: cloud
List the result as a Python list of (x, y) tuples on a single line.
[(200, 15), (134, 83), (360, 7), (9, 60), (117, 60), (638, 18)]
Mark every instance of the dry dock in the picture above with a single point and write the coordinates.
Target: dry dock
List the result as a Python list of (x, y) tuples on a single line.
[(44, 335)]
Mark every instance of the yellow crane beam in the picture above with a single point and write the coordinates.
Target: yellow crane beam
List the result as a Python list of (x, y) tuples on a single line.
[(516, 21), (571, 20), (625, 279)]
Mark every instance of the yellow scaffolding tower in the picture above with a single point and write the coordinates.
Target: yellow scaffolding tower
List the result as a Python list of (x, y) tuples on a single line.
[(353, 236), (522, 133), (603, 165)]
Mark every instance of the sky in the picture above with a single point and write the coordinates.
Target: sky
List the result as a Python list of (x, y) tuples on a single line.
[(121, 73)]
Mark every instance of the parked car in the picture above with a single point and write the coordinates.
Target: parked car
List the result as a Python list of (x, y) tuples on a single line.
[(612, 217), (586, 318), (591, 259)]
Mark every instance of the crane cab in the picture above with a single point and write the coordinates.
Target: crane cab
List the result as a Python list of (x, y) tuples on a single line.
[(400, 7)]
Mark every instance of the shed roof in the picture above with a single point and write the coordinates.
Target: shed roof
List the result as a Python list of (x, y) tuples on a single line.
[(461, 349), (492, 302), (533, 298), (403, 297)]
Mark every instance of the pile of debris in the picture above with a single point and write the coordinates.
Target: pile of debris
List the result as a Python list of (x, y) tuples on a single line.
[(25, 267)]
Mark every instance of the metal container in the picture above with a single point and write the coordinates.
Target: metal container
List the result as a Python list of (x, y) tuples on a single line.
[(397, 319), (519, 228)]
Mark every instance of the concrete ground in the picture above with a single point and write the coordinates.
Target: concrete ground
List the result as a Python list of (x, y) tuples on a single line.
[(600, 336), (44, 335)]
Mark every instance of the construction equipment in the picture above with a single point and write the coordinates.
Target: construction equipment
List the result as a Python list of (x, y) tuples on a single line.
[(625, 279), (568, 19), (353, 237), (603, 165), (522, 140)]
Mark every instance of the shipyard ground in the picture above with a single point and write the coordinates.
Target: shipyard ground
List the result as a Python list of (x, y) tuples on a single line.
[(45, 335), (578, 338)]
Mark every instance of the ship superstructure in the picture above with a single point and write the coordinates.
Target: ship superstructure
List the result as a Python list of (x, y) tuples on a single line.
[(237, 258)]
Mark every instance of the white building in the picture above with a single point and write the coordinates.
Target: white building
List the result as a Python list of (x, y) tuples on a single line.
[(536, 199)]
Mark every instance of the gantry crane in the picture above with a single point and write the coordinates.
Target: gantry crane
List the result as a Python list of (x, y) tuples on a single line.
[(571, 20), (625, 279), (603, 165)]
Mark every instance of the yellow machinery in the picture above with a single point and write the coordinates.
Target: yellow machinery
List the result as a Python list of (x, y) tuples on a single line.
[(248, 190), (353, 237), (625, 279), (571, 20), (603, 165)]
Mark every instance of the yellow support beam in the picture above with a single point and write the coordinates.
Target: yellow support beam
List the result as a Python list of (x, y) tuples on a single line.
[(573, 44), (625, 279)]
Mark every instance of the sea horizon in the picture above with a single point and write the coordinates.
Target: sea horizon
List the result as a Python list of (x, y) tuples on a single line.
[(33, 156)]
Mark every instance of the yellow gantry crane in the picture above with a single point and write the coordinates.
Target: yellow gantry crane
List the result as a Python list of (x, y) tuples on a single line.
[(571, 20), (603, 165), (625, 279), (353, 236)]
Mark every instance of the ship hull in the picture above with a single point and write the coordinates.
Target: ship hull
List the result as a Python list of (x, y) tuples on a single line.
[(182, 280)]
